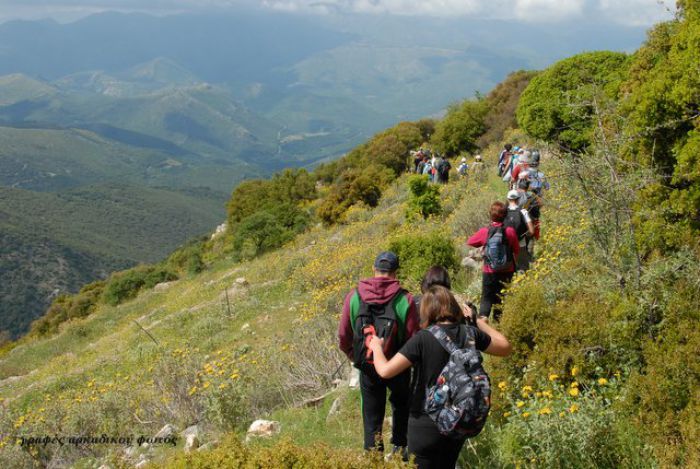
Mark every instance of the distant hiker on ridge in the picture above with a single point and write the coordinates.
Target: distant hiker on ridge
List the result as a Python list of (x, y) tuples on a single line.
[(379, 306)]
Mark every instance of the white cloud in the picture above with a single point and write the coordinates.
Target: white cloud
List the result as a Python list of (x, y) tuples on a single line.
[(638, 12)]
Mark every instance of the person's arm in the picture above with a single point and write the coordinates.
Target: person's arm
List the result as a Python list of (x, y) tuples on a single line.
[(345, 334), (528, 222), (478, 239), (387, 369), (499, 346)]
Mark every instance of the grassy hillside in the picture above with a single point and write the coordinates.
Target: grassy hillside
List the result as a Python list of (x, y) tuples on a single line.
[(56, 242)]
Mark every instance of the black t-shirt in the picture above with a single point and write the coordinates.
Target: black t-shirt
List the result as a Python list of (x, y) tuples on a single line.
[(429, 358)]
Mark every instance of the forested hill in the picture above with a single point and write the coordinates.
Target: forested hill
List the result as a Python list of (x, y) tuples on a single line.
[(242, 326)]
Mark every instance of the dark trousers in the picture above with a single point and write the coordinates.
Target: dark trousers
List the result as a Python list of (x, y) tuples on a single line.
[(491, 287), (431, 449), (373, 389)]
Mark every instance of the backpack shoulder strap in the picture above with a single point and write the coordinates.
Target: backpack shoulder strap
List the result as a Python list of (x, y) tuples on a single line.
[(401, 307), (354, 306), (442, 337)]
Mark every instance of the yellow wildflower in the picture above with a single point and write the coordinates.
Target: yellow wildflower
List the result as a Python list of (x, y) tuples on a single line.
[(506, 414), (547, 394), (545, 411), (574, 371), (502, 385), (573, 408), (553, 377), (573, 392), (519, 404), (562, 413), (602, 381), (526, 414), (574, 384)]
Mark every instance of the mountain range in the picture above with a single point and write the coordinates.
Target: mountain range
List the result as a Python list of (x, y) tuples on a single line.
[(131, 126)]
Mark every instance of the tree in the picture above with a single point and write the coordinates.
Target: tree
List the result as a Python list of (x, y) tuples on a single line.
[(557, 104), (461, 127)]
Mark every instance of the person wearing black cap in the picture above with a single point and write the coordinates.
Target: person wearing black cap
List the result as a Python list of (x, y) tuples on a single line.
[(380, 306)]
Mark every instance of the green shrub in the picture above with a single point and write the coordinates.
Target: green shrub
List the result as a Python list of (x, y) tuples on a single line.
[(417, 253), (189, 258), (125, 285), (425, 197), (460, 128), (283, 454), (66, 307), (562, 422), (268, 229), (558, 104)]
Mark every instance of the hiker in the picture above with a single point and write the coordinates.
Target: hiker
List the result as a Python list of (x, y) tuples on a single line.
[(427, 168), (532, 202), (501, 248), (380, 306), (438, 275), (427, 353), (463, 168), (477, 168), (520, 171), (442, 169), (417, 159), (538, 180), (503, 158), (519, 219), (421, 165), (511, 162)]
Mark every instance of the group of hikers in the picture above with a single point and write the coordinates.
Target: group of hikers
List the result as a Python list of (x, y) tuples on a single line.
[(437, 166), (425, 350)]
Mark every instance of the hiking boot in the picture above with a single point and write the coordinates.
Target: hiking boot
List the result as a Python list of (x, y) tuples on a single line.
[(398, 451)]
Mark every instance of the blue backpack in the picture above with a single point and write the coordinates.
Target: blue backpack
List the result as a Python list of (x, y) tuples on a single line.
[(497, 254)]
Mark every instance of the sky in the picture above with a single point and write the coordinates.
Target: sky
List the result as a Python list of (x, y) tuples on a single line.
[(628, 12)]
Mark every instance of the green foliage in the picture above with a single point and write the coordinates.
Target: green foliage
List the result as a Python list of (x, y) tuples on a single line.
[(417, 253), (559, 103), (289, 186), (501, 103), (67, 307), (355, 185), (459, 130), (424, 198), (268, 229), (125, 285), (661, 109), (362, 175), (189, 258), (560, 423), (284, 454)]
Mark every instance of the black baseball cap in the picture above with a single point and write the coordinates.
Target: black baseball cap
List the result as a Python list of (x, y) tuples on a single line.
[(386, 261)]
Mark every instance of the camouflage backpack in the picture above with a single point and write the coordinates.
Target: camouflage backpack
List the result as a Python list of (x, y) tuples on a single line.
[(460, 400)]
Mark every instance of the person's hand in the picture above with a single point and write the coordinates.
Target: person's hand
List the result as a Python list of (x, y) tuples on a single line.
[(376, 343)]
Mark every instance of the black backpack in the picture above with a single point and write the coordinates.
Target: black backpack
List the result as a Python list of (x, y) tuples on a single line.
[(374, 319), (460, 400), (498, 254), (516, 220), (444, 169)]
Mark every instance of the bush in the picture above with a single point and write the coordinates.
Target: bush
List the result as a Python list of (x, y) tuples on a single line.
[(125, 285), (268, 229), (66, 307), (189, 258), (417, 253), (558, 104), (460, 128), (425, 197), (283, 454)]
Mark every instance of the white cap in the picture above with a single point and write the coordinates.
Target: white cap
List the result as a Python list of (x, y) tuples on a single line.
[(477, 157), (513, 195), (464, 160)]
